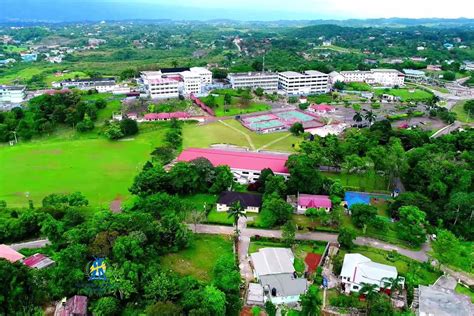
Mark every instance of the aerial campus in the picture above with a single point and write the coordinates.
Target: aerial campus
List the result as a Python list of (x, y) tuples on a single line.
[(223, 167)]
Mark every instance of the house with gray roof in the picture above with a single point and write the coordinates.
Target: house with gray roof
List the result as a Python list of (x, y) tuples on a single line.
[(277, 279)]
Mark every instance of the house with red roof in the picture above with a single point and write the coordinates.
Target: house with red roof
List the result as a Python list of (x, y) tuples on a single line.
[(8, 253), (246, 166), (321, 109), (306, 201)]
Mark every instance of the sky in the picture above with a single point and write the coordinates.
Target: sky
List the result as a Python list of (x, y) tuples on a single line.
[(71, 10)]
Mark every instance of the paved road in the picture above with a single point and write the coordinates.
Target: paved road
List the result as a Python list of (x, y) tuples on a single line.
[(420, 255), (39, 243)]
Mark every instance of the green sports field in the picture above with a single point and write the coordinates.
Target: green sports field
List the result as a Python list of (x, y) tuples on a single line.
[(102, 170)]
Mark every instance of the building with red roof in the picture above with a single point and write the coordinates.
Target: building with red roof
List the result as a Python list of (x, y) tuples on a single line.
[(8, 253), (38, 261), (306, 201), (321, 108), (166, 116), (246, 166)]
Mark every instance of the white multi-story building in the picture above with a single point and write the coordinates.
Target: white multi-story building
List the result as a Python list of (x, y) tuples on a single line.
[(12, 95), (171, 82), (204, 74), (156, 85), (268, 81), (384, 77), (308, 82), (414, 75)]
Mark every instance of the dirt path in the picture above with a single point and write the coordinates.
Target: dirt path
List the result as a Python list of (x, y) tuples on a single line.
[(274, 141), (247, 137)]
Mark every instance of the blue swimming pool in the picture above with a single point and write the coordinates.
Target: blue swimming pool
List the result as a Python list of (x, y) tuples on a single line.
[(361, 197)]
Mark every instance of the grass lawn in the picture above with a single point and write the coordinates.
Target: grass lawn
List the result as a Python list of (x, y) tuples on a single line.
[(237, 109), (203, 136), (69, 75), (419, 273), (466, 291), (462, 115), (200, 257), (367, 183), (101, 169), (405, 94), (215, 217)]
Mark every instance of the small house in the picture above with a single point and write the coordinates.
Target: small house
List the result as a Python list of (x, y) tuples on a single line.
[(321, 109), (274, 270), (38, 261), (358, 270), (306, 201), (250, 202)]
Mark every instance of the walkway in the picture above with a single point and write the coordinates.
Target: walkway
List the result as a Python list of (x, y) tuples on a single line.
[(274, 142), (247, 137)]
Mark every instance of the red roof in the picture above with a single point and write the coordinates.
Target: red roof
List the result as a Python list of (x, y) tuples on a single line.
[(312, 260), (321, 107), (314, 201), (34, 259), (238, 159), (165, 116), (10, 254)]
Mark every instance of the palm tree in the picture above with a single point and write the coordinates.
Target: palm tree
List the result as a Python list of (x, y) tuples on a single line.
[(370, 117), (394, 283), (236, 211), (358, 117), (370, 292)]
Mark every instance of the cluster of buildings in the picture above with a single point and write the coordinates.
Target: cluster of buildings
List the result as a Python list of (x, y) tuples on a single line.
[(100, 84), (173, 82), (36, 261)]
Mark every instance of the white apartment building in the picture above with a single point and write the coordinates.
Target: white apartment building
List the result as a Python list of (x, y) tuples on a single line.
[(12, 94), (171, 82), (268, 81), (308, 82), (384, 77)]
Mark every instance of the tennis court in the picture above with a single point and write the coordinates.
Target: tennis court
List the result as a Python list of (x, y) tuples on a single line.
[(276, 121)]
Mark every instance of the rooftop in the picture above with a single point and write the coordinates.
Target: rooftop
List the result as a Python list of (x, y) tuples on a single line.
[(361, 269), (246, 199), (273, 261), (38, 261), (413, 72), (315, 201), (237, 159), (285, 284), (252, 74), (8, 253)]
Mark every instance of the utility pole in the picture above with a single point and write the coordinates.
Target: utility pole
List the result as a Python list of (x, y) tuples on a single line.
[(263, 63), (16, 139)]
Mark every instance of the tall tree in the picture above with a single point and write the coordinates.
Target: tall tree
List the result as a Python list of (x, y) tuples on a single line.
[(311, 302), (236, 211)]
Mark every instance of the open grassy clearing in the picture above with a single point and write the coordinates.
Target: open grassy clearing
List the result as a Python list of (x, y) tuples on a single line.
[(101, 169), (405, 94), (200, 257), (462, 115), (203, 136), (368, 183)]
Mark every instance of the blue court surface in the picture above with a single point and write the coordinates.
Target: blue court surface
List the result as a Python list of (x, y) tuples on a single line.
[(361, 197)]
